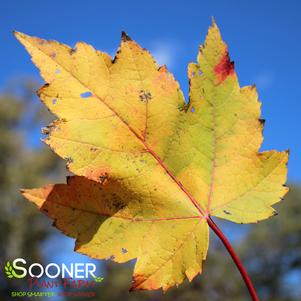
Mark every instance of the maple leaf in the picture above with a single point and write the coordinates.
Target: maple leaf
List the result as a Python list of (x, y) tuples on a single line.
[(151, 169)]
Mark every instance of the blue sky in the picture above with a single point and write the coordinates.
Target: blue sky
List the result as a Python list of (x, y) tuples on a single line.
[(263, 38)]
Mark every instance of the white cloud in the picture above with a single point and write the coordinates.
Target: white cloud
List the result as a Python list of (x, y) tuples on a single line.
[(164, 53), (264, 80)]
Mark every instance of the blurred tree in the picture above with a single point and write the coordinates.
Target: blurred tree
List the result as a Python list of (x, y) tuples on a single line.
[(272, 251), (22, 164)]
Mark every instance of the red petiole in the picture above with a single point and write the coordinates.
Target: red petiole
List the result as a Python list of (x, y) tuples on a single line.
[(235, 258)]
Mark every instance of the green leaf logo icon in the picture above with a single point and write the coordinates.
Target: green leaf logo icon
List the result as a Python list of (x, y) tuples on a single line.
[(10, 272), (98, 279)]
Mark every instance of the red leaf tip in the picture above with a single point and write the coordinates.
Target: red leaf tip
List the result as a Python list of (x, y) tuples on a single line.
[(224, 68)]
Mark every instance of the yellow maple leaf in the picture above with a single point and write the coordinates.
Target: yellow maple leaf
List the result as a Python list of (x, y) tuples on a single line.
[(151, 169)]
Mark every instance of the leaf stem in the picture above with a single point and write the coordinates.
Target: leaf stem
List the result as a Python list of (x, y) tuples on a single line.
[(235, 258)]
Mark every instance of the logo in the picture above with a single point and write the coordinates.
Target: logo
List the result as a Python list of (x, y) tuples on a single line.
[(19, 269), (60, 277)]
